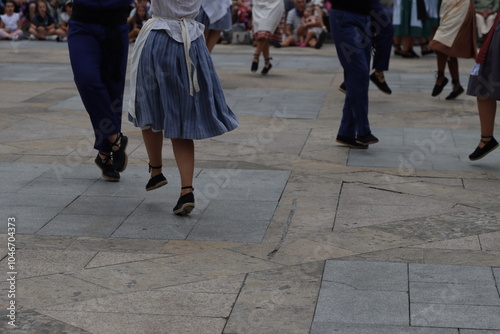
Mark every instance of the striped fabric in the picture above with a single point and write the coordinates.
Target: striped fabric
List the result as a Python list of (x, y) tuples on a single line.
[(162, 97)]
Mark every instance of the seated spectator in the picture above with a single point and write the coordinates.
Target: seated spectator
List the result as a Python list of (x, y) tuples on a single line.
[(53, 10), (313, 33), (42, 26), (136, 22), (295, 28), (10, 24), (242, 13), (141, 3), (486, 11), (62, 31)]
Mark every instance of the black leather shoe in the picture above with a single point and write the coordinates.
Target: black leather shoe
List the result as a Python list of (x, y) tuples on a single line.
[(439, 88), (382, 85), (455, 93), (367, 140), (119, 157), (487, 148), (255, 64), (185, 204), (108, 171), (350, 141)]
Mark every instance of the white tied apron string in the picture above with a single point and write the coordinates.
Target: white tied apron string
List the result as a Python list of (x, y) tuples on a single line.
[(136, 54)]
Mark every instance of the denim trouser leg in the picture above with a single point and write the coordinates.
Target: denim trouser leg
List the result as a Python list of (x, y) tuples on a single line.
[(383, 39), (351, 35)]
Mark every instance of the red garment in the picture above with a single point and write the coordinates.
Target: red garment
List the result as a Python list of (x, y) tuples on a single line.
[(481, 56)]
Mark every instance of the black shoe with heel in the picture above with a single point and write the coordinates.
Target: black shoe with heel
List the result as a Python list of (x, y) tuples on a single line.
[(487, 148), (382, 85), (439, 88), (185, 204), (455, 92), (108, 171), (119, 157), (156, 181), (267, 66)]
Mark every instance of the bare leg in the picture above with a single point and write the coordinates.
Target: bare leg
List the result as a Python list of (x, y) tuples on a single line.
[(453, 67), (211, 38), (487, 110), (265, 48), (184, 157), (154, 145), (441, 65)]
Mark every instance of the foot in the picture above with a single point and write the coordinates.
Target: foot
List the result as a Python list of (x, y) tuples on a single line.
[(185, 204), (157, 179), (441, 81), (378, 79), (255, 63), (103, 161), (119, 156), (367, 139), (457, 90), (486, 145), (321, 40), (350, 142), (267, 66)]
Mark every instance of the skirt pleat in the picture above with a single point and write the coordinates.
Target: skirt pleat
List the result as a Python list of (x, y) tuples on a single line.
[(163, 101)]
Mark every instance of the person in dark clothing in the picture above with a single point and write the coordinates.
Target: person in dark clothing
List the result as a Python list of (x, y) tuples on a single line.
[(351, 28), (98, 49)]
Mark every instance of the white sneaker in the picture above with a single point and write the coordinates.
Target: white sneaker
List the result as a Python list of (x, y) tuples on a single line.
[(15, 38), (32, 37), (51, 38)]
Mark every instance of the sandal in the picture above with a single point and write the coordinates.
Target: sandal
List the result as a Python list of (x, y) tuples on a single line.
[(267, 66), (156, 181), (481, 152), (108, 171), (120, 158), (255, 64), (185, 204)]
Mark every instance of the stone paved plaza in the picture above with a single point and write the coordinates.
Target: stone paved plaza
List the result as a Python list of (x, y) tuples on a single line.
[(292, 233)]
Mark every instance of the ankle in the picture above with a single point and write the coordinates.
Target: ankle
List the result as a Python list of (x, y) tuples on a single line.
[(155, 170), (186, 190)]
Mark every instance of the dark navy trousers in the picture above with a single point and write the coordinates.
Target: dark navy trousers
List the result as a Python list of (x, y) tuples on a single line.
[(383, 33), (352, 37), (98, 57)]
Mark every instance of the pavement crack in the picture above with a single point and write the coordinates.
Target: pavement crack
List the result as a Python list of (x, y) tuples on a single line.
[(285, 230)]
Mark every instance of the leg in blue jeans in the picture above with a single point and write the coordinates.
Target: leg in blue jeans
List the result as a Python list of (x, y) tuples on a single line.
[(351, 33)]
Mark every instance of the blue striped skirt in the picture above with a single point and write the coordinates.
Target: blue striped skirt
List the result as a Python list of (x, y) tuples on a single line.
[(222, 24), (163, 101)]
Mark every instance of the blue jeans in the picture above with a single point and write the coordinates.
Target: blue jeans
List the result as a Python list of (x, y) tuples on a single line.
[(99, 61), (352, 37)]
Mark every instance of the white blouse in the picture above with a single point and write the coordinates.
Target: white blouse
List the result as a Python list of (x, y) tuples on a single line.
[(177, 18)]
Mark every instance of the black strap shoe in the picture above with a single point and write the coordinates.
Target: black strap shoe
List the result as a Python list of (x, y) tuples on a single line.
[(342, 88), (255, 64), (455, 92), (439, 88), (489, 146), (267, 66), (108, 171), (156, 181), (185, 204), (382, 85), (119, 157)]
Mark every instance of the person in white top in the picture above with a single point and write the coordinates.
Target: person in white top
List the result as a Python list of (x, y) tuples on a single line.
[(10, 26)]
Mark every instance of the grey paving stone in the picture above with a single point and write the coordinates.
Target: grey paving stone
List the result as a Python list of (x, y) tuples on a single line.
[(362, 275), (153, 219), (72, 171), (35, 129), (339, 328), (29, 219), (235, 210), (456, 294), (55, 186), (455, 316), (36, 200), (433, 273), (102, 205), (73, 103), (341, 303), (229, 230), (40, 72), (82, 225)]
